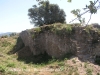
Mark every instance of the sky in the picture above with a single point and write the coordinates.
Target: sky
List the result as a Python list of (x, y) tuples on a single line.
[(14, 18)]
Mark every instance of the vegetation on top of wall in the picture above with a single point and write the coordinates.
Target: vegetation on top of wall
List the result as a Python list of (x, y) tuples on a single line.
[(88, 28), (56, 28), (62, 29)]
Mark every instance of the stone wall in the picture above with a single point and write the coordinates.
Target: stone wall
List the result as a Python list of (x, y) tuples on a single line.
[(80, 42)]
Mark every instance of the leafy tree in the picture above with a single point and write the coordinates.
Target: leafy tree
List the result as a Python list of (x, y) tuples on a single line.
[(46, 13), (92, 9)]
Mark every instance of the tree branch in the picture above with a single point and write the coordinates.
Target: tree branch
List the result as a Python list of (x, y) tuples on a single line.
[(84, 13), (89, 19)]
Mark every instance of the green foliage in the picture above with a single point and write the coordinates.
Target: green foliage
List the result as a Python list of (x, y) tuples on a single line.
[(76, 12), (85, 65), (46, 13), (69, 0), (61, 64), (78, 15), (62, 29), (92, 8), (68, 29), (88, 28), (2, 68), (88, 72), (38, 29), (73, 61), (10, 65)]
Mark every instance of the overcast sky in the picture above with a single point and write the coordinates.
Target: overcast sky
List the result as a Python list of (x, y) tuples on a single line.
[(13, 13)]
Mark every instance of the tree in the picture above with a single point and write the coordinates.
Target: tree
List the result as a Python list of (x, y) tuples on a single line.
[(92, 9), (46, 13)]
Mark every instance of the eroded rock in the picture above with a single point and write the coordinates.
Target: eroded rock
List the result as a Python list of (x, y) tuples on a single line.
[(78, 42)]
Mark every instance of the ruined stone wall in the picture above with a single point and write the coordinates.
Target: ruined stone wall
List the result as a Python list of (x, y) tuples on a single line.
[(79, 42)]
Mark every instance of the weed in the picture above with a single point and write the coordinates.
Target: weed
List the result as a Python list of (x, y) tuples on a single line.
[(68, 29), (3, 69), (61, 64), (38, 29), (88, 28), (73, 61), (89, 72), (52, 60), (10, 65), (62, 68), (85, 65), (62, 29)]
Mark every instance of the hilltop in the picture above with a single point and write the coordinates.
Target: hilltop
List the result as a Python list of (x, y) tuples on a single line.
[(57, 49)]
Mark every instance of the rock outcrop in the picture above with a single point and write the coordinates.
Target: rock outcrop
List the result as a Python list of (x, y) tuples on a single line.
[(58, 40)]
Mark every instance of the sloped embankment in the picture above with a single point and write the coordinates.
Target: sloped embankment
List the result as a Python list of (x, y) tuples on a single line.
[(57, 40)]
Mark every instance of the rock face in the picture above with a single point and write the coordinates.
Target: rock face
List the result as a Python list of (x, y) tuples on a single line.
[(81, 42)]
